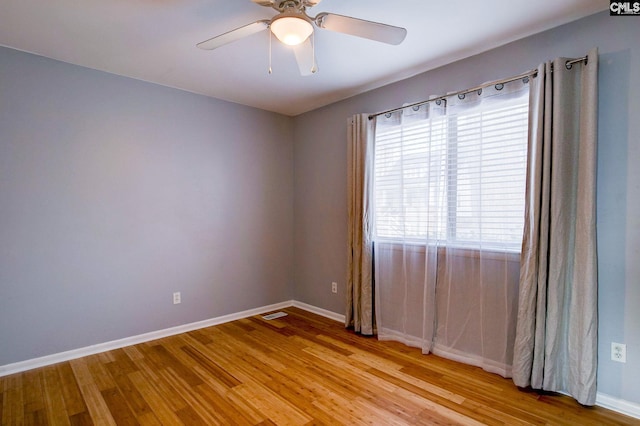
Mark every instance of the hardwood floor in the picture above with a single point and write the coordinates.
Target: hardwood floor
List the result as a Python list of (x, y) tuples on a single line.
[(295, 370)]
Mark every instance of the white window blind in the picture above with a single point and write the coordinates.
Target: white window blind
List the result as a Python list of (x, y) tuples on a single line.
[(457, 176)]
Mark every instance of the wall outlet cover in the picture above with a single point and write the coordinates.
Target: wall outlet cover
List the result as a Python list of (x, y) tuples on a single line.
[(618, 352)]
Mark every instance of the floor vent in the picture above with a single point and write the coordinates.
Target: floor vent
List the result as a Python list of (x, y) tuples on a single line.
[(275, 315)]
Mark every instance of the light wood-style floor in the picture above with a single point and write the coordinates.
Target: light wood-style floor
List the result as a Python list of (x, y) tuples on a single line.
[(296, 370)]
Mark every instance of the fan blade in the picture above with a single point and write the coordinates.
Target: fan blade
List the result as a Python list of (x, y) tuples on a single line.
[(361, 28), (233, 35), (305, 58), (267, 3)]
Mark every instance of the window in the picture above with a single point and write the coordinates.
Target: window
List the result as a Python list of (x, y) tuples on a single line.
[(454, 174)]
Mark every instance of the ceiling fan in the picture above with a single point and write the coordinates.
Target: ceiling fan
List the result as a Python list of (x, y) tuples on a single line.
[(293, 27)]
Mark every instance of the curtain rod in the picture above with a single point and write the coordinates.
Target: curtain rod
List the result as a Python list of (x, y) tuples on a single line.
[(531, 73)]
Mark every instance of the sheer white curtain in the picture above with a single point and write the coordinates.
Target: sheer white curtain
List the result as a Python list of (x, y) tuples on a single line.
[(449, 206), (478, 280), (409, 185)]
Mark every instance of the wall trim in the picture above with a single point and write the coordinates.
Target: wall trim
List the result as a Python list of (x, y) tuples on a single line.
[(319, 311), (603, 400), (619, 405), (30, 364)]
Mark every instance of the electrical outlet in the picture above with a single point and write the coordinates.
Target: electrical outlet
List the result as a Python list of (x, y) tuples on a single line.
[(618, 352), (334, 287), (176, 298)]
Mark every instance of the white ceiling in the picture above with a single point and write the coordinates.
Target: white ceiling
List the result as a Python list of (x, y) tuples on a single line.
[(154, 40)]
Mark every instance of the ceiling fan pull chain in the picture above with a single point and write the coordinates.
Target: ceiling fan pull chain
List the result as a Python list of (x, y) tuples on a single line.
[(270, 70), (314, 68)]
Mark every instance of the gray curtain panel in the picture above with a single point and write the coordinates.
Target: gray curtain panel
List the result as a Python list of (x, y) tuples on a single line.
[(360, 312), (556, 336)]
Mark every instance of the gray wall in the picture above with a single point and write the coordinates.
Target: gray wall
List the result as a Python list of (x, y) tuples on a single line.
[(114, 193), (320, 175)]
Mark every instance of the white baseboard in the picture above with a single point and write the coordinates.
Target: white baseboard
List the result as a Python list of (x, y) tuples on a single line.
[(616, 404), (603, 400), (319, 311), (30, 364), (18, 367)]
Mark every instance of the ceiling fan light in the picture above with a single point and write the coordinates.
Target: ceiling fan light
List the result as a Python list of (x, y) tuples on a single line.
[(291, 30)]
